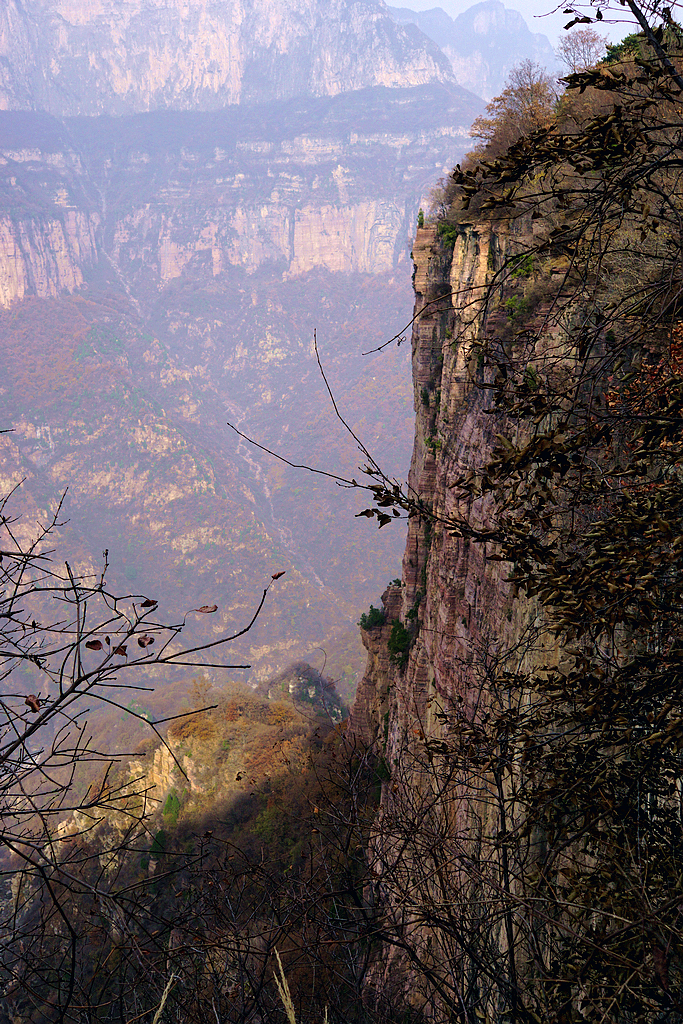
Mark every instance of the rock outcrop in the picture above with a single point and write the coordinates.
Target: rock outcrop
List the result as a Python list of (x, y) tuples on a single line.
[(46, 256)]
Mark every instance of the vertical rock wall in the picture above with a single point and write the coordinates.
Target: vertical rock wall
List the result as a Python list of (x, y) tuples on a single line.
[(452, 595), (440, 802), (45, 256)]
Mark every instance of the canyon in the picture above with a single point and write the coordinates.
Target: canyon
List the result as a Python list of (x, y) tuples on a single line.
[(162, 274), (187, 193), (494, 833)]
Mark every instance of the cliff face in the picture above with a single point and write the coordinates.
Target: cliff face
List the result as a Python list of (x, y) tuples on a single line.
[(316, 184), (457, 598), (46, 256), (425, 705), (70, 57)]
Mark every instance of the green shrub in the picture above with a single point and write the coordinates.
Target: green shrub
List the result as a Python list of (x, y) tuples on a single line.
[(399, 644), (523, 266), (516, 306), (531, 378), (371, 619), (158, 844), (448, 233), (171, 808), (630, 46), (269, 825)]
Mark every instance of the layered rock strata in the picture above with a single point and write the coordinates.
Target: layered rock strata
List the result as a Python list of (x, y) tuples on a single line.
[(456, 600)]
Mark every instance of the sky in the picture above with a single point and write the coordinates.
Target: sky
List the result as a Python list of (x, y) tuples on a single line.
[(535, 14)]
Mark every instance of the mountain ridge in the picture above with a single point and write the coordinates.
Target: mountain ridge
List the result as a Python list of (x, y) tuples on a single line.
[(104, 57), (483, 43)]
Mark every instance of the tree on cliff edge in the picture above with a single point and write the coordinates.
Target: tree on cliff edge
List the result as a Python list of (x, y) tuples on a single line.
[(526, 103)]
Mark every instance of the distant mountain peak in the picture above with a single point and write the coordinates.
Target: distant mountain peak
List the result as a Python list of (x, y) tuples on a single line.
[(483, 43), (493, 16)]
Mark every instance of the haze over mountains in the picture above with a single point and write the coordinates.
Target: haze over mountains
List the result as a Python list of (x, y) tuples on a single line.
[(70, 57), (187, 191), (483, 43)]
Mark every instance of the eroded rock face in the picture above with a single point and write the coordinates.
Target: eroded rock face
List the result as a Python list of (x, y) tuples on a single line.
[(454, 592), (74, 57), (46, 256), (330, 185), (470, 632), (457, 599)]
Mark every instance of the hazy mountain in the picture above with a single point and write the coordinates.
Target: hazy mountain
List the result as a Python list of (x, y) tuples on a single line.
[(482, 44), (70, 57), (162, 274)]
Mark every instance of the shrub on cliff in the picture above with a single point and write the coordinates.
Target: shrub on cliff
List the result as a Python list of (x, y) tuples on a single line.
[(399, 644), (371, 619)]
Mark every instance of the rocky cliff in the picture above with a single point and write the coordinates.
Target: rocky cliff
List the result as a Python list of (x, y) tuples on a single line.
[(454, 631), (517, 693), (110, 58), (308, 185), (454, 597)]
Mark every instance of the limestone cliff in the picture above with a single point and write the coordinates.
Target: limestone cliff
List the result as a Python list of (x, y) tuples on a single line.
[(106, 57), (453, 629), (45, 256), (455, 597), (316, 184)]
